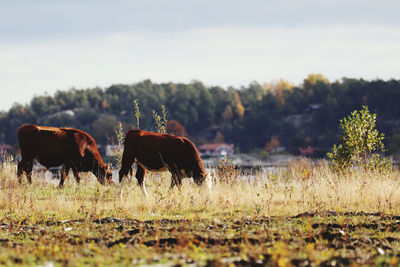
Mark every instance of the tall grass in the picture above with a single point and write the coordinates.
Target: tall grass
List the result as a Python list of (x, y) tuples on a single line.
[(120, 136), (302, 187)]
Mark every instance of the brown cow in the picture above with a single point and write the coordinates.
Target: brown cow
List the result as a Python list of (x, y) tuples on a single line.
[(158, 152), (51, 147)]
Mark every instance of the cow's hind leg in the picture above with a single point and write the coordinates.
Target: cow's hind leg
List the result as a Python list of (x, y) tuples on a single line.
[(126, 164), (20, 171), (29, 167), (25, 166), (140, 173)]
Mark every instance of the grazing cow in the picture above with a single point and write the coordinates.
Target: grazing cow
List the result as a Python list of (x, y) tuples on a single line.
[(51, 147), (159, 152)]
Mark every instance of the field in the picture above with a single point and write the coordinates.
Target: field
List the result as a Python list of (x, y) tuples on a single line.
[(304, 215)]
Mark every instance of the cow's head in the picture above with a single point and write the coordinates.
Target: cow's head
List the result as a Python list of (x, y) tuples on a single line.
[(108, 175), (105, 176)]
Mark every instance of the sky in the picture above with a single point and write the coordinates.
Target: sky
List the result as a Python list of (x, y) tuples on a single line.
[(50, 45)]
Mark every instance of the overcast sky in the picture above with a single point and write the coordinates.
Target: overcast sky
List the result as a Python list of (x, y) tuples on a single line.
[(50, 45)]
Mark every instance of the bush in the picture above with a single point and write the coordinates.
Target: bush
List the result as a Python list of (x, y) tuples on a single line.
[(361, 144)]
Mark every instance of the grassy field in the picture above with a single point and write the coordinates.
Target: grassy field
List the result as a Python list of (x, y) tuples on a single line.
[(304, 215)]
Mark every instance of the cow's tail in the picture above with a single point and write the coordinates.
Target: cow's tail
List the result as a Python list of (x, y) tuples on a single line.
[(127, 160)]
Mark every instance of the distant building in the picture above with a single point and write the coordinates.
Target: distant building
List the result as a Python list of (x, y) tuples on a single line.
[(218, 150)]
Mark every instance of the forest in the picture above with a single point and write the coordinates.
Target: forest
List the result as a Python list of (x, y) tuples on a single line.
[(257, 118)]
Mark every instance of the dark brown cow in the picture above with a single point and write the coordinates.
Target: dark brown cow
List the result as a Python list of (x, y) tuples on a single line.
[(51, 147), (158, 152)]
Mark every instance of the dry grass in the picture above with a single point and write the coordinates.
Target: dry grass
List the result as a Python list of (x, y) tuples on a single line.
[(278, 218), (302, 187)]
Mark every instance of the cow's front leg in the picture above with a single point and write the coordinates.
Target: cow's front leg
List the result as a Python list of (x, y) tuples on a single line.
[(140, 173), (176, 180), (64, 173), (173, 181), (179, 182), (76, 175)]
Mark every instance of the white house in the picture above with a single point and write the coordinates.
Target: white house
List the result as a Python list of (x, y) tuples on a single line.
[(219, 150)]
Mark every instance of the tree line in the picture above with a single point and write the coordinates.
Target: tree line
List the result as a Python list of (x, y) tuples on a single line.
[(258, 117)]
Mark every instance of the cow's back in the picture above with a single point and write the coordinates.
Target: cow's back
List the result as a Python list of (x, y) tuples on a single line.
[(148, 149), (50, 146), (84, 146), (154, 151)]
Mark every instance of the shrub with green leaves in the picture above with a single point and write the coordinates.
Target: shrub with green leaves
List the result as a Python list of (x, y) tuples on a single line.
[(161, 120), (137, 113), (361, 144)]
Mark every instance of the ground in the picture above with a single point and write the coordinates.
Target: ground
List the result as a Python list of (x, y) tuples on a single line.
[(309, 239)]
